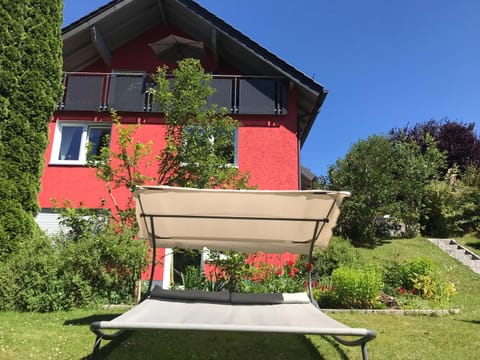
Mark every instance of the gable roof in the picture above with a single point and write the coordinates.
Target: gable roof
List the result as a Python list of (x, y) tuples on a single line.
[(119, 21)]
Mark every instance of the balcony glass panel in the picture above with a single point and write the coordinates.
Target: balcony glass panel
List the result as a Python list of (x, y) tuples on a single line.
[(222, 95), (83, 92), (256, 96), (152, 104), (281, 99), (127, 92)]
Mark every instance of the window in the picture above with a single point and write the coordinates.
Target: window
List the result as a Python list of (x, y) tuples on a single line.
[(72, 138)]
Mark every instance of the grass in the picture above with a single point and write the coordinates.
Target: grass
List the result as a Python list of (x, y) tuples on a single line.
[(65, 335), (419, 337)]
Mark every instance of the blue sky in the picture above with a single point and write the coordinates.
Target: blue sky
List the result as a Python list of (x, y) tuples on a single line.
[(385, 63)]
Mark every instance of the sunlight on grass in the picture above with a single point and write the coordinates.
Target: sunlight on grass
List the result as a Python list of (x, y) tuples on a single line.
[(66, 335)]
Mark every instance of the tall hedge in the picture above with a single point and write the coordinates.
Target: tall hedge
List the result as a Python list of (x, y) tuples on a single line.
[(30, 85)]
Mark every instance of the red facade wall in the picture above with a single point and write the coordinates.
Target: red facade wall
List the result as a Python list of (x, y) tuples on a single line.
[(78, 184), (267, 145)]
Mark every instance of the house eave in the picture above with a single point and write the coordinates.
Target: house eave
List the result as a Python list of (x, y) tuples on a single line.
[(230, 45)]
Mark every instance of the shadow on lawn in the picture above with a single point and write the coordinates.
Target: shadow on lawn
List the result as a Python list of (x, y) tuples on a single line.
[(180, 344), (108, 346), (205, 345), (89, 319), (477, 322)]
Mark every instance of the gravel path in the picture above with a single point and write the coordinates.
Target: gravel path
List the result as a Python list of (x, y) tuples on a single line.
[(465, 256)]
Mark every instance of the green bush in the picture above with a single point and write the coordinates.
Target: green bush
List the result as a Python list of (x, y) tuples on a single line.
[(452, 206), (270, 279), (193, 279), (247, 274), (102, 253), (323, 293), (404, 275), (356, 287), (34, 279), (419, 277), (95, 263), (434, 286), (339, 252)]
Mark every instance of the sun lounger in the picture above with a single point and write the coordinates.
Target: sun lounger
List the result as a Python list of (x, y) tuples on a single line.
[(244, 221)]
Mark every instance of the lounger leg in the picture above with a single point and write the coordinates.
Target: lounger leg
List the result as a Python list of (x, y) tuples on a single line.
[(364, 351), (96, 347), (361, 341)]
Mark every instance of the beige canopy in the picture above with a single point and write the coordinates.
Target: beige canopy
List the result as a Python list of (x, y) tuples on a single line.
[(247, 221), (240, 220)]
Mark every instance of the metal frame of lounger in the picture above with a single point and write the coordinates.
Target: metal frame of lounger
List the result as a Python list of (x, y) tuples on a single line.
[(364, 335)]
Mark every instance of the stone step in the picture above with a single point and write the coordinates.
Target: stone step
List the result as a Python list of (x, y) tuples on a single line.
[(465, 256)]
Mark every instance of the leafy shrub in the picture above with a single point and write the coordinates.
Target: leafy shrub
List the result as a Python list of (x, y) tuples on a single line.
[(435, 287), (268, 278), (229, 269), (102, 253), (356, 287), (403, 275), (193, 279), (34, 279), (323, 293), (339, 252), (247, 274), (97, 264), (419, 277)]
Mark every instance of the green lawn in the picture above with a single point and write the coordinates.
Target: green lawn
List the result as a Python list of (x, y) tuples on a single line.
[(65, 335)]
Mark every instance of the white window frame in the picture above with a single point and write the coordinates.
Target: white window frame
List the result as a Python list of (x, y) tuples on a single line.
[(57, 140), (168, 265)]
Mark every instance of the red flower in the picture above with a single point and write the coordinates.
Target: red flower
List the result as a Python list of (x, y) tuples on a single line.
[(290, 262), (292, 274), (309, 266), (278, 272)]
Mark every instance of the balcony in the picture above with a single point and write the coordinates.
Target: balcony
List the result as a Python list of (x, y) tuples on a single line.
[(128, 92)]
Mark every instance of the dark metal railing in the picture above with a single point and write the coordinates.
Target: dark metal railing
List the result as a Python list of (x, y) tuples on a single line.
[(122, 91)]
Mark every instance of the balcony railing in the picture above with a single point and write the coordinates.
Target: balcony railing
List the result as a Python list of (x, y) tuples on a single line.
[(128, 92)]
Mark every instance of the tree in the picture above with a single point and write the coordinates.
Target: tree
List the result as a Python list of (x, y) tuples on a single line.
[(452, 204), (30, 86), (457, 139), (199, 145), (122, 167), (386, 178), (199, 138), (414, 169), (367, 171)]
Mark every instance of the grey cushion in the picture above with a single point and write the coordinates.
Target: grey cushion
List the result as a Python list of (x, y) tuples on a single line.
[(191, 295), (238, 298)]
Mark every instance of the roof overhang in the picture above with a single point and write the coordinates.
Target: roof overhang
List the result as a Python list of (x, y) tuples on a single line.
[(97, 34)]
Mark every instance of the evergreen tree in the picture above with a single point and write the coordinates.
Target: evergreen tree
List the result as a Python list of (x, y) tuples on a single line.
[(30, 85)]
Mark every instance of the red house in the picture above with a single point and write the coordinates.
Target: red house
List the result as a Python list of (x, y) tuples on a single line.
[(108, 58)]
